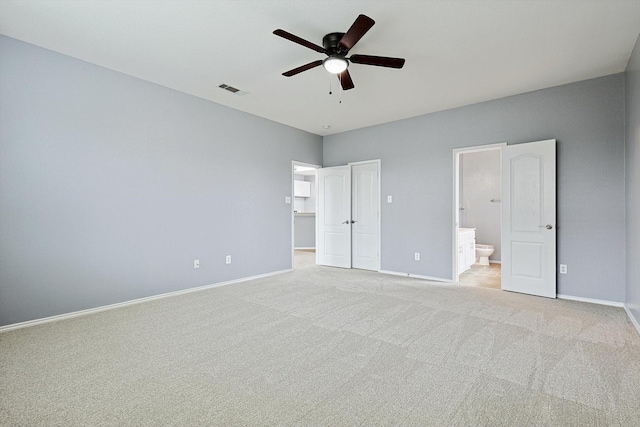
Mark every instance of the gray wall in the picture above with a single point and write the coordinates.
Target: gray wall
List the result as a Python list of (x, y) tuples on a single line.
[(111, 186), (632, 298), (304, 231), (480, 174), (586, 118)]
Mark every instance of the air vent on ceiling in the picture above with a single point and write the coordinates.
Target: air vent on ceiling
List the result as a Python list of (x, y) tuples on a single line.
[(232, 89)]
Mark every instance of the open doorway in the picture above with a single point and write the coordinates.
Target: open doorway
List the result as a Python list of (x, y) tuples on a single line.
[(477, 231), (527, 212), (303, 214), (345, 232)]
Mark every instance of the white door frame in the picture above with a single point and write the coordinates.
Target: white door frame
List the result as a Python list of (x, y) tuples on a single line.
[(295, 163), (379, 165), (456, 196)]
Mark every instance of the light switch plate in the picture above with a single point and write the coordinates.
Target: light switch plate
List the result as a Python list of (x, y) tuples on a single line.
[(389, 199), (287, 200)]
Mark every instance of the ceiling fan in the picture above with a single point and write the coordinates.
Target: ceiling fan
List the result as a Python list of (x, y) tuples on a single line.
[(337, 46)]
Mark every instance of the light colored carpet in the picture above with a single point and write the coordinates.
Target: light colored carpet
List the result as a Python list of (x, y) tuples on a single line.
[(324, 346)]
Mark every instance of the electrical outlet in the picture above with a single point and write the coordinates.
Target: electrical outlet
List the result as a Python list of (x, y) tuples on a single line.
[(196, 263), (563, 268), (228, 259), (416, 256)]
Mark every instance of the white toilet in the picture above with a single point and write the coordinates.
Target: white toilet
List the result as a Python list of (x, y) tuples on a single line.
[(483, 252)]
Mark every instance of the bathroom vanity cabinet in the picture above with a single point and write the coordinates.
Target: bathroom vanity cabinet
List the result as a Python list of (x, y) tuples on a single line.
[(466, 249)]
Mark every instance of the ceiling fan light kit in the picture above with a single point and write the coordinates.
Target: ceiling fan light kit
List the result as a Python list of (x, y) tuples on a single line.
[(335, 64), (337, 46)]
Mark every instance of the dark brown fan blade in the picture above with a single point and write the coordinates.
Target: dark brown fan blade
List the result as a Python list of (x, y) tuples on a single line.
[(379, 61), (305, 67), (360, 26), (345, 80), (296, 39)]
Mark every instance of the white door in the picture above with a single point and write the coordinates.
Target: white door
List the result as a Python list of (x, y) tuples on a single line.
[(529, 218), (334, 216), (364, 216)]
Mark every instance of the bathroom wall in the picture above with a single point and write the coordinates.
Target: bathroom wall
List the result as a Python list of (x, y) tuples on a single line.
[(480, 183)]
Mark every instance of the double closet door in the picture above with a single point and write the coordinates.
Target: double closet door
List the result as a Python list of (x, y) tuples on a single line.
[(349, 216)]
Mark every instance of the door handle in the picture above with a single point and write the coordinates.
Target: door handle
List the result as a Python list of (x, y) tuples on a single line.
[(346, 222), (353, 221), (548, 226)]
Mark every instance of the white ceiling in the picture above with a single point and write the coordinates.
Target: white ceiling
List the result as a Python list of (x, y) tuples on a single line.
[(457, 52)]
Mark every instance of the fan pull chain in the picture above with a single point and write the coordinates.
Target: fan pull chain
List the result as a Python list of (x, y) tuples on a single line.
[(339, 89)]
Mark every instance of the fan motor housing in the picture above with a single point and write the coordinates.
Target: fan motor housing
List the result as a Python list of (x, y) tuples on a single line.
[(330, 43)]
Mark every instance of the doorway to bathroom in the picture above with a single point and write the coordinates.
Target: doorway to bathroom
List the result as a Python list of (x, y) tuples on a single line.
[(477, 210), (526, 208)]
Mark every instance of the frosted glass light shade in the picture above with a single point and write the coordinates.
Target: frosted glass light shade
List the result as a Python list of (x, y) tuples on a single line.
[(335, 64)]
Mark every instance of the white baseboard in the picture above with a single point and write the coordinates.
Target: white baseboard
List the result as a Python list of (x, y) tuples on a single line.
[(416, 276), (633, 319), (304, 248), (591, 300), (131, 302), (493, 261)]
